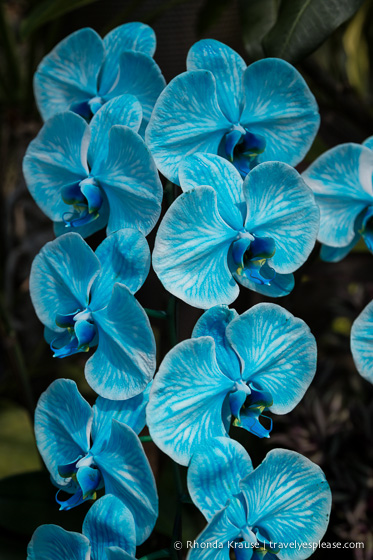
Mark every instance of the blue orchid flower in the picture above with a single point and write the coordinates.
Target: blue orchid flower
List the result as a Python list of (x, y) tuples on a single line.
[(264, 112), (86, 299), (279, 510), (86, 449), (85, 177), (233, 369), (341, 180), (362, 342), (223, 230), (108, 534), (84, 71)]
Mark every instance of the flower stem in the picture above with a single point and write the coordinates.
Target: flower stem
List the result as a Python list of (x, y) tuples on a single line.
[(155, 314), (146, 438)]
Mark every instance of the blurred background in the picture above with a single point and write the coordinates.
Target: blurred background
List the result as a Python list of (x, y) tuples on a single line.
[(331, 43)]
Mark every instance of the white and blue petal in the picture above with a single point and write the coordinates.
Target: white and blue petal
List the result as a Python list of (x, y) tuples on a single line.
[(57, 158), (191, 251), (130, 180), (214, 474), (368, 142), (214, 323), (361, 342), (288, 500), (186, 399), (281, 285), (186, 119), (336, 254), (62, 426), (124, 361), (115, 553), (227, 67), (61, 278), (124, 258), (341, 180), (277, 351), (223, 528), (128, 476), (130, 412), (279, 107), (133, 36), (122, 110), (68, 74), (109, 523), (139, 75), (281, 206), (51, 541), (216, 172)]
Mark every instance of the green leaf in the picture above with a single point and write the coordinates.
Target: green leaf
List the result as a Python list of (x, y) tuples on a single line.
[(258, 17), (47, 11), (303, 25)]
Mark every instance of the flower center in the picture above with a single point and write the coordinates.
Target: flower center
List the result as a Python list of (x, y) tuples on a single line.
[(86, 199), (242, 147), (80, 332), (247, 404), (250, 254), (84, 478)]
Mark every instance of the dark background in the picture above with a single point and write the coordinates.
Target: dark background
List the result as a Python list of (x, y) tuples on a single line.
[(332, 45)]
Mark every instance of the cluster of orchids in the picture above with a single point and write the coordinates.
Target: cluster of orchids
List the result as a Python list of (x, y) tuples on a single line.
[(229, 135)]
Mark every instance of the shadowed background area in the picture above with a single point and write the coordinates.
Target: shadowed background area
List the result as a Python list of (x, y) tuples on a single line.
[(332, 46)]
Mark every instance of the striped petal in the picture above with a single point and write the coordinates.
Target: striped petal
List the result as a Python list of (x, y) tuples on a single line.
[(109, 523), (62, 426), (124, 110), (124, 258), (277, 351), (369, 142), (361, 342), (223, 528), (214, 323), (186, 399), (227, 67), (288, 500), (124, 361), (68, 74), (61, 277), (216, 172), (128, 476), (130, 181), (214, 474), (130, 412), (134, 36), (51, 541), (186, 119), (57, 158), (279, 107), (336, 254), (139, 75), (282, 207), (341, 180), (191, 251), (280, 286)]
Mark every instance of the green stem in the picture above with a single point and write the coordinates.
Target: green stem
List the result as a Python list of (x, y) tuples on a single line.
[(155, 313), (146, 438), (164, 553)]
